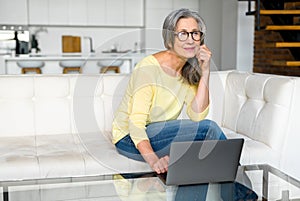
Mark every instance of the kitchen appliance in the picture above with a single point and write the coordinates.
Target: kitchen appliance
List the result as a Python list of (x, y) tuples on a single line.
[(14, 41)]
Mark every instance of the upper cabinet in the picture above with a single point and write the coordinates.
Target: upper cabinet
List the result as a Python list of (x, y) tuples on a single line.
[(116, 13), (38, 12), (58, 12), (134, 13), (87, 12), (77, 12), (13, 12), (191, 4), (96, 10)]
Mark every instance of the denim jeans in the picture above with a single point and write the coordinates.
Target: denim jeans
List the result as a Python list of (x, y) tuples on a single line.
[(162, 134)]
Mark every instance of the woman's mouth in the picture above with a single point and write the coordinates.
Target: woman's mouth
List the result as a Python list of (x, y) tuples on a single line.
[(190, 49)]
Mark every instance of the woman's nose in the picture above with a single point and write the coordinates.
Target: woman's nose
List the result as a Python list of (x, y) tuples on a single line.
[(190, 40)]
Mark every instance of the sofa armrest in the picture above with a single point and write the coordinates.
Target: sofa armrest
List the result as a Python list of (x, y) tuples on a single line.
[(290, 155)]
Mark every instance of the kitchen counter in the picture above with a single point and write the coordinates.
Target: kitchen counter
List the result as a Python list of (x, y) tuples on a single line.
[(63, 56), (90, 66)]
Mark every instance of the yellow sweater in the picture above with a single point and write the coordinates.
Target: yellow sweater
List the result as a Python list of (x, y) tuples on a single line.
[(152, 96)]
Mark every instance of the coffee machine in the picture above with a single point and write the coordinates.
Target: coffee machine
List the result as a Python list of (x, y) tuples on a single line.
[(22, 46)]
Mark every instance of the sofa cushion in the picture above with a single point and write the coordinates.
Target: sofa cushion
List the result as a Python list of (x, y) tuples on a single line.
[(63, 155), (252, 150)]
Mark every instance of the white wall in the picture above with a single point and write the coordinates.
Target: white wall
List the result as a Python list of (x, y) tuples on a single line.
[(245, 38), (211, 12), (229, 34)]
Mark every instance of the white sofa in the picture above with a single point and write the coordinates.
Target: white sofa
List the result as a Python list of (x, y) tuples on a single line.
[(55, 126)]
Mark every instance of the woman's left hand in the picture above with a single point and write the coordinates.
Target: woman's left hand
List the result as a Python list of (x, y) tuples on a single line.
[(203, 55)]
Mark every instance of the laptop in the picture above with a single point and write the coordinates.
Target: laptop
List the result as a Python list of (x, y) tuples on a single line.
[(197, 162)]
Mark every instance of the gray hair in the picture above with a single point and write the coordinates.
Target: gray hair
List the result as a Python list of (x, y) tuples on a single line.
[(190, 72)]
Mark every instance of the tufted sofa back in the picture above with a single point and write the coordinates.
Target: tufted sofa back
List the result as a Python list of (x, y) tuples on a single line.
[(58, 104), (258, 106), (253, 105)]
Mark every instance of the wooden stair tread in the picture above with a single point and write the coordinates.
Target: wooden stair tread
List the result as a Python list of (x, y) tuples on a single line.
[(286, 63), (283, 44), (280, 12), (282, 27)]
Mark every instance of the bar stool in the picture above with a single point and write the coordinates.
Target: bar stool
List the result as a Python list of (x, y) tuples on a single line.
[(110, 65), (71, 66), (31, 66)]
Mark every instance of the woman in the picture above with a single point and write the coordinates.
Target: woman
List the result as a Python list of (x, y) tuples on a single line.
[(146, 122), (161, 84)]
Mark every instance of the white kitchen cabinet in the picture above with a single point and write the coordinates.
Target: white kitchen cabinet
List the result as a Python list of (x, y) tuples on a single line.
[(96, 12), (190, 4), (58, 12), (115, 12), (159, 4), (78, 12), (86, 12), (38, 12), (134, 13), (13, 12)]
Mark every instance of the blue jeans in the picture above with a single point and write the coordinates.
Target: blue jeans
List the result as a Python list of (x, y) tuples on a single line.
[(162, 134)]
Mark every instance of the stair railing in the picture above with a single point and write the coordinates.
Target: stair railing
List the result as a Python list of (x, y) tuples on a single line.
[(254, 12)]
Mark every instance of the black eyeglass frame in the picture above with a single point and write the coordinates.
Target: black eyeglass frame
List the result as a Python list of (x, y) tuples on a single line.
[(188, 35)]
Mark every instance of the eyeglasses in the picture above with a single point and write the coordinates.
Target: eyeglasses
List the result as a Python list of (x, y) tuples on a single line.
[(184, 35)]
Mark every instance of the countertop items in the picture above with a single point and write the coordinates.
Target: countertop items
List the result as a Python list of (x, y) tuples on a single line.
[(71, 44)]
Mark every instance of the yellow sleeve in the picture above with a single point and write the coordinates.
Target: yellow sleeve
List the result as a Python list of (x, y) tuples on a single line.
[(142, 95), (138, 116)]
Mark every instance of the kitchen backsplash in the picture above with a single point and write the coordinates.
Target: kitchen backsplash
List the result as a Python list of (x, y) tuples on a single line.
[(50, 40)]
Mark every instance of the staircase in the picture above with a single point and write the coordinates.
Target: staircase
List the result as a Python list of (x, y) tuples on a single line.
[(277, 36)]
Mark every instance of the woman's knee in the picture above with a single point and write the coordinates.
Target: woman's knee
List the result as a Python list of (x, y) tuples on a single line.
[(211, 129), (208, 122)]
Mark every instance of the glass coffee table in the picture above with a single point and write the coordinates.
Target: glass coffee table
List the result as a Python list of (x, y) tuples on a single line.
[(268, 183)]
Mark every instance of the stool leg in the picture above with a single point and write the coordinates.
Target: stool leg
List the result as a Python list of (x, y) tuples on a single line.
[(116, 69), (68, 69), (103, 69), (38, 71)]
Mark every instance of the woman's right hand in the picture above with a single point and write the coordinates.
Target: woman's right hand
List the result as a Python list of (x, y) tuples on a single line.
[(161, 165)]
